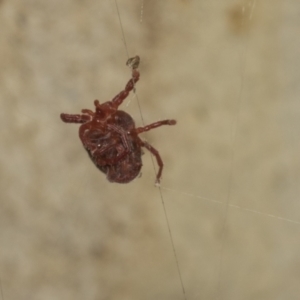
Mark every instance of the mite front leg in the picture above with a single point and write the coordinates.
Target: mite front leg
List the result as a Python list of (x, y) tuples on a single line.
[(83, 129), (154, 125), (158, 159), (75, 118), (117, 100)]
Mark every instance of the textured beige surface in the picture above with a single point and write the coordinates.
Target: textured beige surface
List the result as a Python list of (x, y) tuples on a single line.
[(228, 71)]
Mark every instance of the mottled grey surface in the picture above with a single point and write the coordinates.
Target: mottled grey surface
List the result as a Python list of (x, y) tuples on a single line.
[(228, 72)]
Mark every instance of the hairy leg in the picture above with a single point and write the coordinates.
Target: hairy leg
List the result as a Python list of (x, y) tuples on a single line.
[(68, 118), (157, 156), (154, 125)]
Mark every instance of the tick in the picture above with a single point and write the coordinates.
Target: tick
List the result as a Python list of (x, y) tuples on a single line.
[(110, 137)]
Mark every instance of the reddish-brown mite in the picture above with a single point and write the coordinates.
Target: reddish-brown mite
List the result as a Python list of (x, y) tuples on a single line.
[(110, 137)]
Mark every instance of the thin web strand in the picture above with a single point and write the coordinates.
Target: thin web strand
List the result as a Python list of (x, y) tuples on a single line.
[(159, 188), (232, 205), (231, 171), (121, 25), (172, 242)]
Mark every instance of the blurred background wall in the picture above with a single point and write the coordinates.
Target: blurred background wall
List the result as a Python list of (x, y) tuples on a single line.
[(228, 72)]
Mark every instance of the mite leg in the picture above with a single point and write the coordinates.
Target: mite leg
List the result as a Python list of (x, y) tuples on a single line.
[(158, 159), (82, 129), (98, 153), (154, 125), (88, 112), (123, 134), (121, 154), (75, 118), (117, 100)]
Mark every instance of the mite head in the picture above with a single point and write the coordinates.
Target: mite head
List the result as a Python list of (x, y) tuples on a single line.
[(104, 111)]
